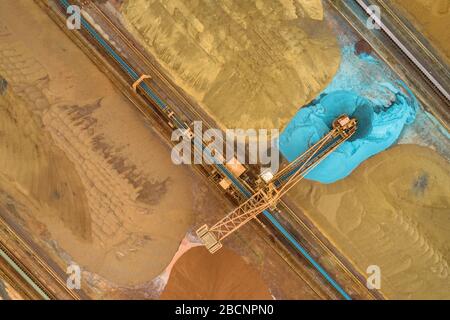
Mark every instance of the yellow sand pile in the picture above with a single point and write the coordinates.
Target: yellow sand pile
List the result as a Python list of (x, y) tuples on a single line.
[(394, 212), (251, 64)]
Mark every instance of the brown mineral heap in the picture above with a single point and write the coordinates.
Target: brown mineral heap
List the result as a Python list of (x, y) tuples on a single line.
[(223, 275), (362, 47)]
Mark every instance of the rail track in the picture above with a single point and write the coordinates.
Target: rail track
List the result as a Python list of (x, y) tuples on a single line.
[(400, 50), (437, 83), (26, 284), (40, 279), (143, 106), (145, 65), (172, 92), (193, 113), (305, 228), (165, 110)]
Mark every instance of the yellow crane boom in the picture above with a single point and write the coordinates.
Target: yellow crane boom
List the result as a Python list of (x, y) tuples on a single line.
[(269, 195)]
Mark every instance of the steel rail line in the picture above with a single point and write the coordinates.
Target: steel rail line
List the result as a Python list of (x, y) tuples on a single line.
[(161, 77), (282, 204), (26, 275), (168, 84), (31, 253), (404, 49), (181, 125), (419, 39), (187, 112), (144, 61)]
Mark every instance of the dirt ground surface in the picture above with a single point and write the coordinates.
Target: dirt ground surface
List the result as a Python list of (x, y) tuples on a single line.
[(224, 275), (250, 64), (432, 18), (392, 211), (96, 187)]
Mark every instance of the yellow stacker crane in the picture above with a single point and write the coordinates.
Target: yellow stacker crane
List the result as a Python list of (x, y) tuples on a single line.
[(277, 185)]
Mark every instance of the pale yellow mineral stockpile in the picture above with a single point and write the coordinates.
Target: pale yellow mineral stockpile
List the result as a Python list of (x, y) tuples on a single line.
[(432, 17), (250, 64), (392, 211)]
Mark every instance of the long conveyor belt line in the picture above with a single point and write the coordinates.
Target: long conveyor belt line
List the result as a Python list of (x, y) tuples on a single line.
[(179, 124)]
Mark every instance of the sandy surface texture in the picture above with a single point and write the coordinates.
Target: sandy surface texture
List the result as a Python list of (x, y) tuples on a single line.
[(78, 165), (432, 18), (392, 211), (250, 64), (197, 274)]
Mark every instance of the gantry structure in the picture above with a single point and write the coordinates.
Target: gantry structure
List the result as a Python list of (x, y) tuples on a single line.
[(277, 185)]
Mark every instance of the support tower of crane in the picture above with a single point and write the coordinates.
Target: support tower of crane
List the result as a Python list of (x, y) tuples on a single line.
[(277, 185)]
